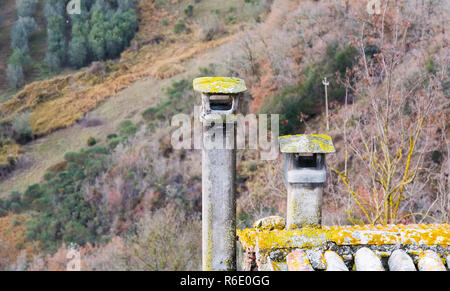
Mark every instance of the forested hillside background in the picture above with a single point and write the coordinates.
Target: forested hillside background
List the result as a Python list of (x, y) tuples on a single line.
[(86, 101)]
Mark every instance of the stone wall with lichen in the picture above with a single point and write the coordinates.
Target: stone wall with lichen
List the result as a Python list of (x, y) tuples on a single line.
[(269, 246)]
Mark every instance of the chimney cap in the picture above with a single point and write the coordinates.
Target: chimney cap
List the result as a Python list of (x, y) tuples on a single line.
[(219, 85), (307, 144)]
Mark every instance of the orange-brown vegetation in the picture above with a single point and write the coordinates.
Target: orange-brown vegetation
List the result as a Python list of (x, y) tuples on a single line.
[(391, 132), (12, 240)]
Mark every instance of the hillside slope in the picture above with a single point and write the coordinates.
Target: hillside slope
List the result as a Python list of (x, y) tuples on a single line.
[(127, 104), (156, 55)]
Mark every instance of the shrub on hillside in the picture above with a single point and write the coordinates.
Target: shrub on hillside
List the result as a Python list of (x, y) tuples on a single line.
[(21, 129), (127, 128), (179, 94), (63, 213), (168, 239), (91, 141), (189, 10), (12, 203), (179, 27), (114, 142), (111, 136)]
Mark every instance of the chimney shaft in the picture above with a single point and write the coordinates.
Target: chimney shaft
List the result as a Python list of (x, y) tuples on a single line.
[(218, 204), (219, 106)]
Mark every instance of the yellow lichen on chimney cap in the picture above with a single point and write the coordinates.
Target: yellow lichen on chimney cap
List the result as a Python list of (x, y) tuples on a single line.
[(306, 143), (219, 85)]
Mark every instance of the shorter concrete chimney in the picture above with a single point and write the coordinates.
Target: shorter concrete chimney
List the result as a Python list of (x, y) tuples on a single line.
[(305, 176)]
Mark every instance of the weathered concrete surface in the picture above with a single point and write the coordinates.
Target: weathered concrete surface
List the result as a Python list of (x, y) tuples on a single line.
[(366, 260), (430, 261), (306, 175), (400, 261), (304, 204), (334, 262), (218, 204), (298, 261)]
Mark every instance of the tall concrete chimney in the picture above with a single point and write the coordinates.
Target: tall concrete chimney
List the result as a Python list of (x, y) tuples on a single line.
[(220, 98), (305, 176)]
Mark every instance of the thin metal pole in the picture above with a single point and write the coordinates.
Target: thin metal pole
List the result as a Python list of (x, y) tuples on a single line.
[(325, 83)]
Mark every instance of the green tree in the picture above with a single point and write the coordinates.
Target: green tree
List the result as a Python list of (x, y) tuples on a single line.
[(126, 21), (122, 27), (125, 5), (29, 23), (19, 36), (15, 76), (26, 7), (114, 41), (17, 61), (78, 45), (54, 7), (99, 29), (56, 42), (54, 11)]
